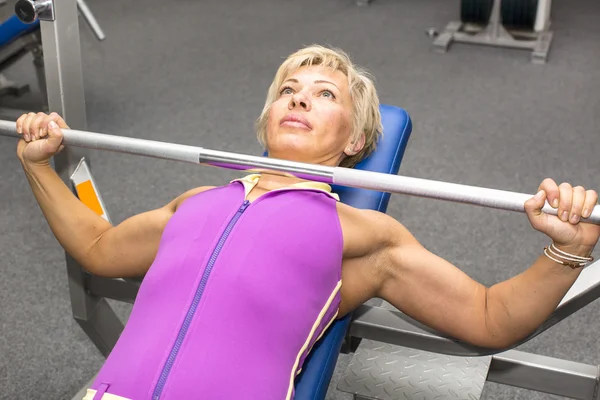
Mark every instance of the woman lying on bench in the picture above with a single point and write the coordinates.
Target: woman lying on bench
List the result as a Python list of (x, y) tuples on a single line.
[(240, 280)]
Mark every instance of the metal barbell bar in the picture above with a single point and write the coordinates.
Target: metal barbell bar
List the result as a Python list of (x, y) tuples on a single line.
[(458, 193)]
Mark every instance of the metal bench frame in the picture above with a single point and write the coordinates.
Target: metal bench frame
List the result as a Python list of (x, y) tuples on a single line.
[(508, 366)]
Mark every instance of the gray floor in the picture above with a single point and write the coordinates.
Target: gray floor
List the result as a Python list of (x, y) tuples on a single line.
[(197, 73)]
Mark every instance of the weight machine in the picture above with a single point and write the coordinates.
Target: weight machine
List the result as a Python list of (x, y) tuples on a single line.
[(20, 35), (521, 24)]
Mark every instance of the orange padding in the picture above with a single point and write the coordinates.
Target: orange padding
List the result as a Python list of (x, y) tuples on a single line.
[(87, 195)]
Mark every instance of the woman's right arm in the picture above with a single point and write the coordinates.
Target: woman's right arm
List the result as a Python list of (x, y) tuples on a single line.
[(125, 250)]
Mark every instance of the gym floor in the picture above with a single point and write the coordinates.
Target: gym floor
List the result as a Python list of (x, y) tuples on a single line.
[(197, 73)]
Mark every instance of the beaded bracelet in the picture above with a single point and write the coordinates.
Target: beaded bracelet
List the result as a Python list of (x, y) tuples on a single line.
[(565, 258)]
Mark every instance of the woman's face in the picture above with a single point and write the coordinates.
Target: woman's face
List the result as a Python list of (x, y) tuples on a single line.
[(311, 120)]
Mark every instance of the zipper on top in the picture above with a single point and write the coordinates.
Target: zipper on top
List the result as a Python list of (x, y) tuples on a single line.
[(192, 310)]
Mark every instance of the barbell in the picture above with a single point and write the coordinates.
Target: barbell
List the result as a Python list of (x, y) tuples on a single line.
[(382, 182)]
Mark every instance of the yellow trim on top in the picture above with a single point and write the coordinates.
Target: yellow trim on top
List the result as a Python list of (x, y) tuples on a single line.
[(310, 336), (250, 181)]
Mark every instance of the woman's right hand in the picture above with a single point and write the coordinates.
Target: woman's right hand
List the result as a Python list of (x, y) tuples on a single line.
[(41, 137)]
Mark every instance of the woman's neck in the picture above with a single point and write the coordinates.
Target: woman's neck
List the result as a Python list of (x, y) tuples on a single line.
[(272, 181)]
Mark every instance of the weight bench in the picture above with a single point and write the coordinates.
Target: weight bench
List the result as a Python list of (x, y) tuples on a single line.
[(89, 293), (313, 381)]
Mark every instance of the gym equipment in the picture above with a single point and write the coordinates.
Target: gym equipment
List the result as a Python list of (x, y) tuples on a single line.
[(313, 382), (17, 40), (354, 333), (30, 11), (390, 339), (62, 69), (475, 11), (519, 14), (20, 35), (491, 198), (521, 24)]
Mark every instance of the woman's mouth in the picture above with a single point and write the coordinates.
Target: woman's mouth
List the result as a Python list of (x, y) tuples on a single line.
[(295, 121)]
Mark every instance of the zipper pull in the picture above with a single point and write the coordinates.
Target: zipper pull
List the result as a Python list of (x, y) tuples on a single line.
[(244, 205)]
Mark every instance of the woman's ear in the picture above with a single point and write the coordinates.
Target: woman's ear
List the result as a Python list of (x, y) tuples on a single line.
[(355, 146)]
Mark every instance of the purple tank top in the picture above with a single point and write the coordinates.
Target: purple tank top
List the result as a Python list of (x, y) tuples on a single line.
[(237, 295)]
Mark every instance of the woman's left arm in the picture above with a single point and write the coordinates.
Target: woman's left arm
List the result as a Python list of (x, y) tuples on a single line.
[(438, 294)]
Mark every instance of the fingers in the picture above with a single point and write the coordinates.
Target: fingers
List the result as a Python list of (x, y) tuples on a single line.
[(32, 127), (35, 126), (577, 204), (20, 122), (55, 139), (552, 192), (533, 208), (45, 123), (25, 126), (59, 121), (591, 199), (572, 203), (565, 201)]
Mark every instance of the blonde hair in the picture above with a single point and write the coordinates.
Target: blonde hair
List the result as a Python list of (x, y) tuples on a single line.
[(366, 117)]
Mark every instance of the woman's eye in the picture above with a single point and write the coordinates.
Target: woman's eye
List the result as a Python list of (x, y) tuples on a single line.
[(328, 94), (286, 90)]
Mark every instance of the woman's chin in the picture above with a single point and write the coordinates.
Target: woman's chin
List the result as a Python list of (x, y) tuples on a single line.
[(292, 152), (293, 143)]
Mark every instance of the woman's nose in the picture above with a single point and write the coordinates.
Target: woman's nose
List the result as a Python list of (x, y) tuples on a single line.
[(299, 100)]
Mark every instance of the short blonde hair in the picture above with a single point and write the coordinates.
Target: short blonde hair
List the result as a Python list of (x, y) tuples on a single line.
[(366, 117)]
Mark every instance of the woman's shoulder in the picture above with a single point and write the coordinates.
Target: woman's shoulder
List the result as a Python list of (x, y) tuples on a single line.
[(176, 203)]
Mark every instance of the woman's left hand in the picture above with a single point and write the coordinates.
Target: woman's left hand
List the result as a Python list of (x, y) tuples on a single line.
[(566, 230)]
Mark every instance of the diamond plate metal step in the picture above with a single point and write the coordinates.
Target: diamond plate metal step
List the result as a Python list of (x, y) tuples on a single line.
[(380, 371), (386, 372)]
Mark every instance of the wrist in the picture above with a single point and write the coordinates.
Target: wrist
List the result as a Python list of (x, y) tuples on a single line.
[(32, 167), (576, 249), (573, 256)]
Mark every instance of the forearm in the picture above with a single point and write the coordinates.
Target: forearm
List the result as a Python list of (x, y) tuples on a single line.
[(440, 295), (75, 226), (516, 307)]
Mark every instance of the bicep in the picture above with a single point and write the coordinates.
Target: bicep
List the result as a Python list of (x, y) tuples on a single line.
[(433, 291), (129, 249)]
